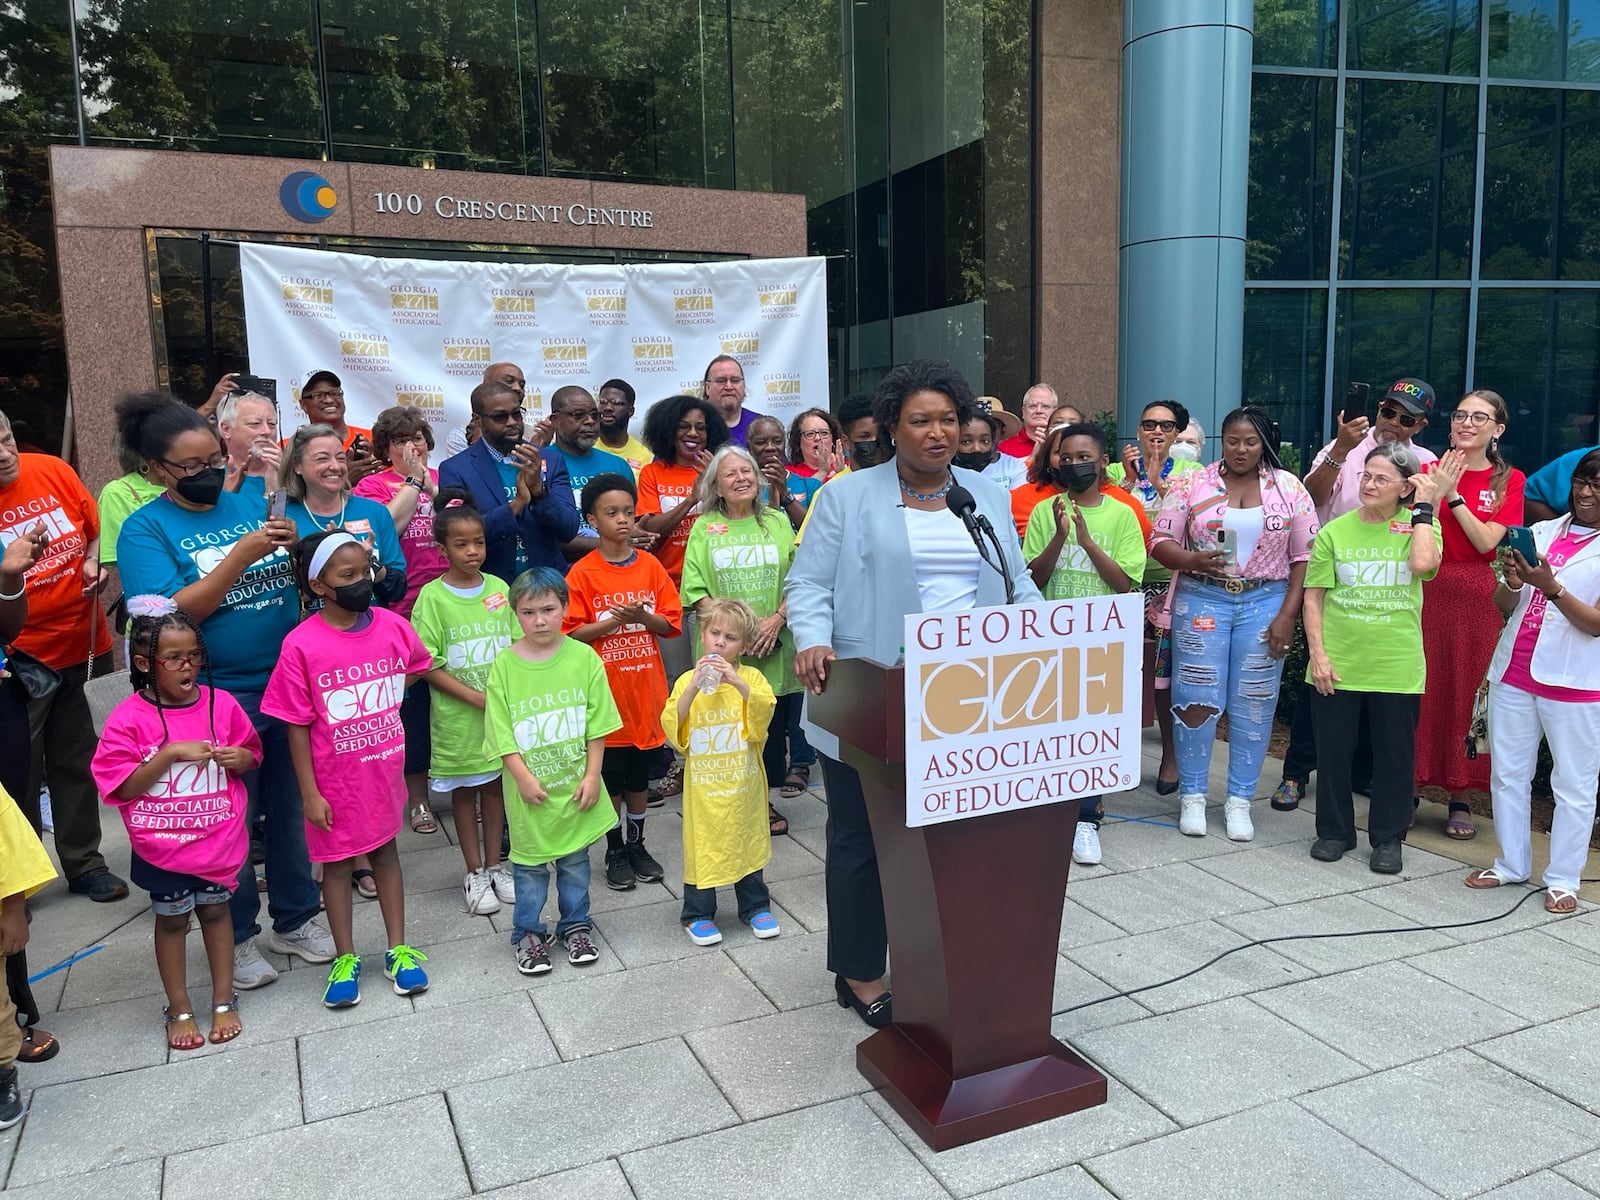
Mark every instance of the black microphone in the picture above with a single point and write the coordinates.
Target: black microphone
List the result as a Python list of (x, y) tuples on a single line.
[(959, 501)]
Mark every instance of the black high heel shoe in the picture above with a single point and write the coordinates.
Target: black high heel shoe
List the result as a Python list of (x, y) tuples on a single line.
[(1165, 787), (877, 1014)]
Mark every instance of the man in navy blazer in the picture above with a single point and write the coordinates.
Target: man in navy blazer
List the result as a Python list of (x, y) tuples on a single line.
[(523, 492)]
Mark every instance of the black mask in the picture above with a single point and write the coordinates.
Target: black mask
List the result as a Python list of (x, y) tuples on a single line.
[(864, 454), (203, 487), (354, 597), (975, 460), (1076, 477)]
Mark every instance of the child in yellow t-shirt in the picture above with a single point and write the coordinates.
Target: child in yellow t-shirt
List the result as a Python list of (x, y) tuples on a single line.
[(726, 835), (24, 869)]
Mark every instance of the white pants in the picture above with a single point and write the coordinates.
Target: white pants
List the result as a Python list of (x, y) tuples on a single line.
[(1517, 720)]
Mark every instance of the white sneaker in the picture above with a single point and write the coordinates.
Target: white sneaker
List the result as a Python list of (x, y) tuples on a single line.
[(1192, 815), (477, 894), (1086, 845), (250, 970), (1236, 811), (505, 887), (311, 942)]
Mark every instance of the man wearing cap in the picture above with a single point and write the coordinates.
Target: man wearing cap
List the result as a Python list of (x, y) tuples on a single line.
[(979, 451), (1038, 402), (322, 400)]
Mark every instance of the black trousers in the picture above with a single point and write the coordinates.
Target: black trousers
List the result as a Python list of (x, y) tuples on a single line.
[(1300, 759), (1390, 721), (858, 939), (14, 778)]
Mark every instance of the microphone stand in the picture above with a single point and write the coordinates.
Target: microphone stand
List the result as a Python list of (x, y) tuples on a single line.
[(1005, 571)]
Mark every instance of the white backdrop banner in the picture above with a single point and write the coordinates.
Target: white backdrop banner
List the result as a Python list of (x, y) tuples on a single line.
[(420, 332)]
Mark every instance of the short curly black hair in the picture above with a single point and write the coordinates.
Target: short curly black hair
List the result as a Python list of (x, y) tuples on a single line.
[(919, 375), (661, 425)]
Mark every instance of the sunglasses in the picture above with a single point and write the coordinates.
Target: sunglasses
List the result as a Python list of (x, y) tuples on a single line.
[(1150, 426), (1391, 412)]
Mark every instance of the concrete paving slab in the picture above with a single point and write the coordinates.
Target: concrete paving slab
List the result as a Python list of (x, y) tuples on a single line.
[(1136, 846), (669, 1097), (1331, 915), (814, 839), (1511, 1127), (598, 1181), (1075, 986), (646, 1004), (1527, 973), (126, 967), (1545, 1185), (133, 1181), (463, 971), (1582, 931), (1230, 1159), (805, 899), (1558, 1055), (74, 1128), (372, 1065), (1583, 1171), (102, 1040), (431, 918), (806, 811), (1081, 927), (1122, 1120), (1287, 874), (831, 1150), (407, 1147), (1208, 1062), (791, 971), (1388, 1013), (788, 1061), (1167, 953), (1161, 897), (1444, 900), (654, 933), (1073, 1183)]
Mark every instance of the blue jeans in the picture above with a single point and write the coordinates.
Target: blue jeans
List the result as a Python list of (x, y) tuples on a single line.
[(700, 904), (533, 888), (1220, 662), (292, 895)]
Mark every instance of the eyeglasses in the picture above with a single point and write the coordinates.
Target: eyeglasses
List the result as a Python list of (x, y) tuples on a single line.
[(727, 379), (1390, 412), (500, 418), (815, 435), (217, 462), (1379, 480), (333, 394), (1591, 486), (1150, 426), (174, 662), (1477, 420)]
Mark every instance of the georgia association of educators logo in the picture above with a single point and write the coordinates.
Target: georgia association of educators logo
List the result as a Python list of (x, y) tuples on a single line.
[(653, 353), (307, 196), (564, 355)]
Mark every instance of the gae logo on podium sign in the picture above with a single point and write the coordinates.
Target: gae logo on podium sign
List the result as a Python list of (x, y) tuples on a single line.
[(1021, 705)]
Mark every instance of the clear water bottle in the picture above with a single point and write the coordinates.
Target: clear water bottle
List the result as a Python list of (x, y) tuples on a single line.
[(708, 679)]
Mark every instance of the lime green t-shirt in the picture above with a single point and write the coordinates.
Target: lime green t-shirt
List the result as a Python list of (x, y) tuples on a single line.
[(1372, 613), (1145, 493), (119, 500), (464, 634), (743, 559), (1112, 526), (548, 712)]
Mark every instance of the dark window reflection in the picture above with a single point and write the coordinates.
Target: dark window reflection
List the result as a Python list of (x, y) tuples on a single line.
[(1545, 39), (1285, 347), (1540, 349), (1423, 37), (1385, 333), (1296, 33), (1292, 121), (1541, 174)]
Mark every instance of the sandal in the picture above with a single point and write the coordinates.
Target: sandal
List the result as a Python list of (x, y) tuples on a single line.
[(173, 1040), (365, 883), (1488, 877), (777, 822), (672, 781), (796, 781), (1560, 900), (422, 819), (37, 1046), (1459, 826), (225, 1009)]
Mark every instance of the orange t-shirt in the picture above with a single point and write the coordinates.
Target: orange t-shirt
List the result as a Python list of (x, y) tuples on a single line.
[(1027, 497), (48, 490), (352, 432), (662, 487), (634, 669)]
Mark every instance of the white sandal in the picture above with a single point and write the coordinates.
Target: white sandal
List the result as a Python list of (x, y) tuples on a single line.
[(1555, 896), (1488, 877)]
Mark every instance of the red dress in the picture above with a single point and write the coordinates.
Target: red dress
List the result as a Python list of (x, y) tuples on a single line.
[(1460, 626)]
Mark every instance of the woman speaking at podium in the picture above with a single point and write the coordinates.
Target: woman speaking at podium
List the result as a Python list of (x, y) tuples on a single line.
[(882, 543)]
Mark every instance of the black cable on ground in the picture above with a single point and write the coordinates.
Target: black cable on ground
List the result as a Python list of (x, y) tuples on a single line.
[(1307, 937)]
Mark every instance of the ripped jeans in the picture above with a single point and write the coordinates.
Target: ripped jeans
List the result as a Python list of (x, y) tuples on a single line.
[(1220, 662)]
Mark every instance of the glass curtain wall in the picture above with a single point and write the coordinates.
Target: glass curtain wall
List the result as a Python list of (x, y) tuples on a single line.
[(1422, 183)]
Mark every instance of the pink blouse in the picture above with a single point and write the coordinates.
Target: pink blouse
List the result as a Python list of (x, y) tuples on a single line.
[(1192, 515)]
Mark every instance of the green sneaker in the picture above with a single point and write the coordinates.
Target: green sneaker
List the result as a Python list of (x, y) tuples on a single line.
[(344, 982), (400, 965)]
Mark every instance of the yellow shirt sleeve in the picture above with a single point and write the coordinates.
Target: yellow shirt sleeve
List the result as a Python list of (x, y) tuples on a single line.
[(24, 866)]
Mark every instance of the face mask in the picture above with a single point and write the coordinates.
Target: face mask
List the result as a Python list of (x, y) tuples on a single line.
[(1076, 477), (974, 460), (1185, 452), (354, 597), (863, 454), (204, 487)]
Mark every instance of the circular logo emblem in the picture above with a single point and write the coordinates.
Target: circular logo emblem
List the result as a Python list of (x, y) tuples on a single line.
[(307, 196)]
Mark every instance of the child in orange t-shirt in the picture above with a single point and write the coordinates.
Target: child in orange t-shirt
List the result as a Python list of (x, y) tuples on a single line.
[(621, 601)]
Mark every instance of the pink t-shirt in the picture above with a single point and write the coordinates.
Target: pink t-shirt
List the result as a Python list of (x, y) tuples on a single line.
[(1519, 673), (193, 819), (424, 560), (346, 685)]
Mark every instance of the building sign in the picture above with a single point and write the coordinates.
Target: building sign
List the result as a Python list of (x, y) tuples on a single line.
[(481, 208), (1021, 705)]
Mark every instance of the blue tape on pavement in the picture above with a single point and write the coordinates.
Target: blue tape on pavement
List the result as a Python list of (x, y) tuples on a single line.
[(65, 963), (1141, 821)]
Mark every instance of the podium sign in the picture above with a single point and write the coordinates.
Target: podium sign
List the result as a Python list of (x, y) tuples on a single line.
[(1019, 706)]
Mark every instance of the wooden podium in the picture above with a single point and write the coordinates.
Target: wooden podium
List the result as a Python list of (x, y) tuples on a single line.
[(974, 916)]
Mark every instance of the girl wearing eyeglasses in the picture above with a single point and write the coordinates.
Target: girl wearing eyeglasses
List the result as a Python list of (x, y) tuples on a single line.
[(1479, 494)]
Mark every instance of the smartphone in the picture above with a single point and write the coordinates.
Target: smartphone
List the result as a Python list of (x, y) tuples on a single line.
[(278, 505), (1356, 398), (1520, 539), (1228, 543), (258, 384)]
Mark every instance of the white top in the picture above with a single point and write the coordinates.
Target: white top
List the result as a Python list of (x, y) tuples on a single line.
[(1247, 524), (945, 560), (1010, 473)]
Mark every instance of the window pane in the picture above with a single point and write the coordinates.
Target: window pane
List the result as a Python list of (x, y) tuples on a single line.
[(1291, 168), (1285, 340), (1296, 33), (788, 99), (36, 71), (1540, 177), (1410, 151), (1383, 334), (1423, 37), (1540, 349), (1544, 39)]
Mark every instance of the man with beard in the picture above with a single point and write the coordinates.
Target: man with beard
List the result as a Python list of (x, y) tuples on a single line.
[(575, 418), (724, 387), (616, 399)]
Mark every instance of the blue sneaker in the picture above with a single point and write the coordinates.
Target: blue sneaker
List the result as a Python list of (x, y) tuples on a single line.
[(703, 933), (764, 925), (400, 965), (344, 982)]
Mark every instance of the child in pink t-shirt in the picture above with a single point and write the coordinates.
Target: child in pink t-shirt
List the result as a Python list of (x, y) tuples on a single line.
[(172, 759), (338, 684)]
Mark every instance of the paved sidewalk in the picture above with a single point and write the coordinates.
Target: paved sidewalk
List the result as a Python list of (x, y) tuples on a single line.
[(1457, 1063)]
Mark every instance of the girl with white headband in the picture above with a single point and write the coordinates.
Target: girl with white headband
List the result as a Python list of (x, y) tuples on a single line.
[(338, 686)]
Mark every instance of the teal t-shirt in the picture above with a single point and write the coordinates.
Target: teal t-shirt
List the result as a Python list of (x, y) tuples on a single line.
[(745, 559), (463, 635), (1112, 526), (547, 712), (583, 467), (507, 471), (1372, 612)]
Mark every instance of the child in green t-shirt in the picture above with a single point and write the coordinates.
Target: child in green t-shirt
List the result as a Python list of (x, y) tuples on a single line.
[(1080, 544), (547, 711)]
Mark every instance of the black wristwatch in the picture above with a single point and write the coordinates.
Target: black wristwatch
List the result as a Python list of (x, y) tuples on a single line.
[(1458, 502), (416, 483)]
